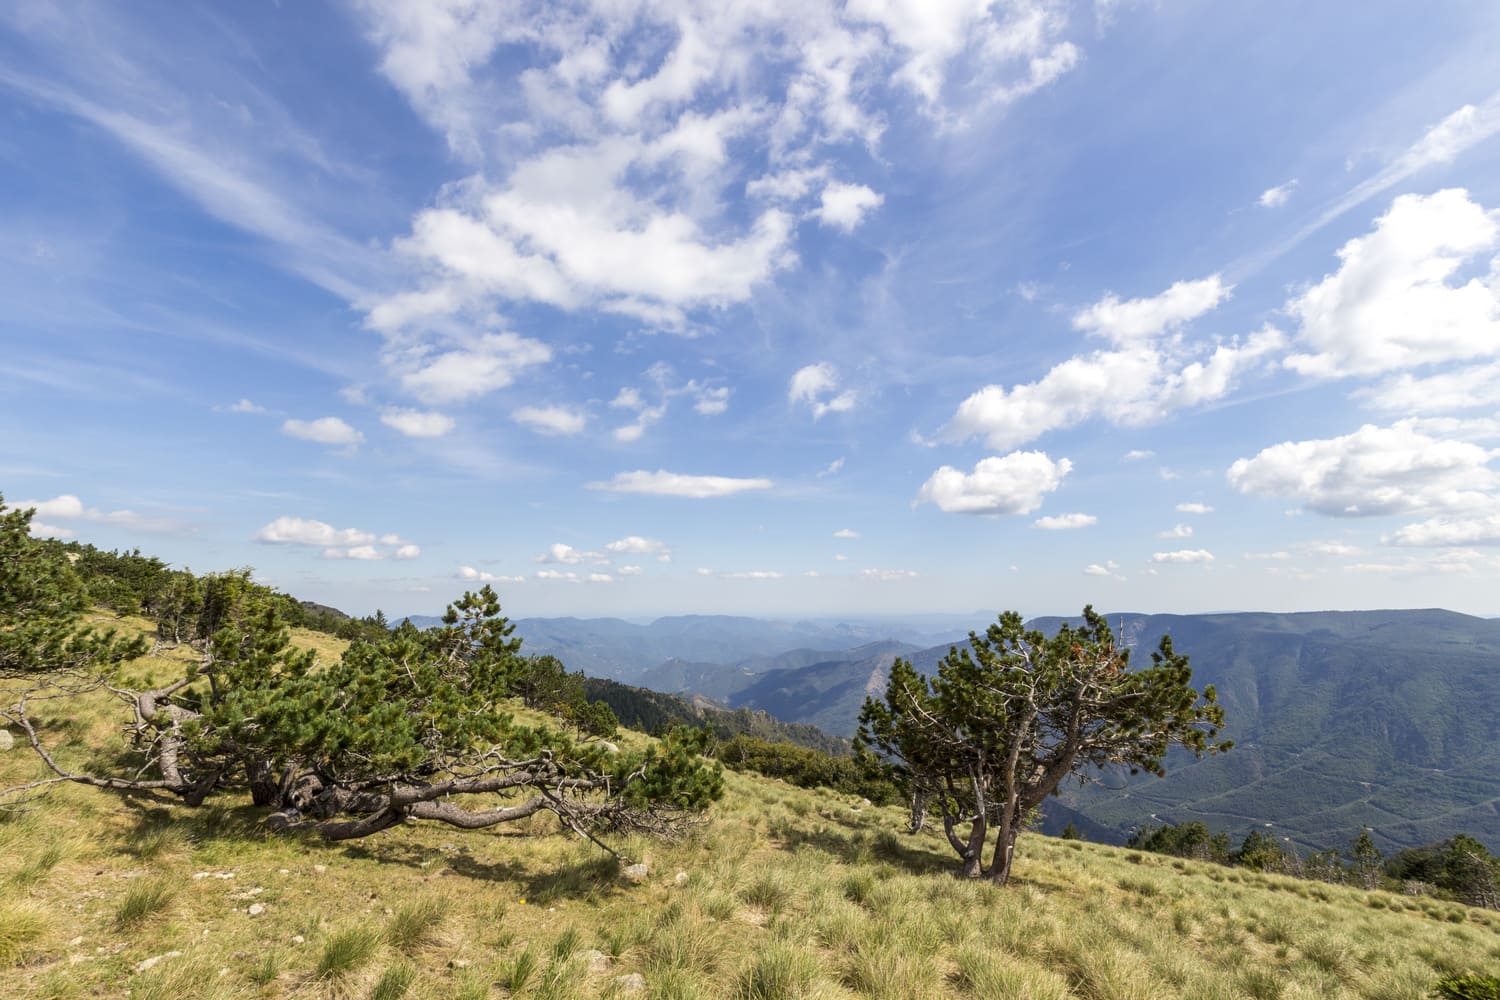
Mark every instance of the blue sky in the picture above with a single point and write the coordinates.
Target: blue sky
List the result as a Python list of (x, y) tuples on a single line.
[(815, 308)]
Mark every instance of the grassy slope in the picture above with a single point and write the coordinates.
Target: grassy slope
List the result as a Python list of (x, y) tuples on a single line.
[(786, 893)]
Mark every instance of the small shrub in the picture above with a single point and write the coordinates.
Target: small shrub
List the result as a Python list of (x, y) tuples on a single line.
[(1468, 987)]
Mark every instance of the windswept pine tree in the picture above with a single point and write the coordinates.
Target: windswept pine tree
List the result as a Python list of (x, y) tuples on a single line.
[(999, 728), (410, 725)]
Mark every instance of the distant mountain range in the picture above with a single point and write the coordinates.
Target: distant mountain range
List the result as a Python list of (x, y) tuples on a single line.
[(627, 651), (1389, 719)]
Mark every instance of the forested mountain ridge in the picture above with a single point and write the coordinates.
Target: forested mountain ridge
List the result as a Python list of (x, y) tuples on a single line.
[(1341, 719), (1387, 719)]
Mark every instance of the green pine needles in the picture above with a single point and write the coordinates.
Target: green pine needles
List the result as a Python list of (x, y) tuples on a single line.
[(406, 725), (1007, 719)]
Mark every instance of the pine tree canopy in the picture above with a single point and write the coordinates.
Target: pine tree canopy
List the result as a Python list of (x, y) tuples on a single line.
[(1008, 718), (406, 725)]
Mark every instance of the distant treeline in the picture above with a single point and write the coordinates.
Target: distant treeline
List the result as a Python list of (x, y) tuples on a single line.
[(1459, 868), (186, 607), (656, 712)]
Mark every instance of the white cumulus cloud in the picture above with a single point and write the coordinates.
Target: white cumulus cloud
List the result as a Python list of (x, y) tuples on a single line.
[(844, 206), (1183, 556), (1477, 529), (324, 430), (1012, 484), (1142, 319), (551, 420), (302, 531), (1194, 508), (1374, 471), (673, 484), (1393, 302), (471, 573), (889, 575), (638, 545), (1150, 372), (492, 361), (846, 533), (1063, 522), (817, 385), (418, 423)]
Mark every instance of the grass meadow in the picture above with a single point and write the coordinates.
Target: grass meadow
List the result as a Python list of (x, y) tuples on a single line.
[(782, 893)]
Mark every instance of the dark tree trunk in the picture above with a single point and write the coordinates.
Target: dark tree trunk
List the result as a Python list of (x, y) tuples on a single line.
[(265, 790)]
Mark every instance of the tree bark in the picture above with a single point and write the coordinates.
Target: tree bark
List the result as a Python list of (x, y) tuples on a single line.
[(1005, 852)]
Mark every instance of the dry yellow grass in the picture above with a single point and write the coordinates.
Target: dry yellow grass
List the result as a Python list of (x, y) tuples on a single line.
[(786, 893)]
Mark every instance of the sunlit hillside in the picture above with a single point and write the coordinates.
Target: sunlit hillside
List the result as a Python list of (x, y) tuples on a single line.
[(781, 892)]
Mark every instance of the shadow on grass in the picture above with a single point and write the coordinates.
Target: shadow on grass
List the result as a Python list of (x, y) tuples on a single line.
[(592, 878), (862, 847)]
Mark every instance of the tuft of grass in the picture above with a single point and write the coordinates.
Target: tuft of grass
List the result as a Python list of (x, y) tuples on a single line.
[(560, 980), (143, 901), (190, 975), (683, 945), (719, 904), (768, 891), (394, 982), (520, 969), (22, 924), (346, 951), (415, 924), (779, 972), (564, 945), (267, 969), (991, 974), (157, 840), (40, 864), (676, 985)]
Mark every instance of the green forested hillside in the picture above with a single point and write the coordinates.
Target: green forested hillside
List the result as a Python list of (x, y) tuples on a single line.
[(1384, 719)]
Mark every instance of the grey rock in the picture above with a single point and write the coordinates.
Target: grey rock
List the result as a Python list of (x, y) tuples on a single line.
[(597, 961), (631, 982), (151, 962), (637, 872)]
